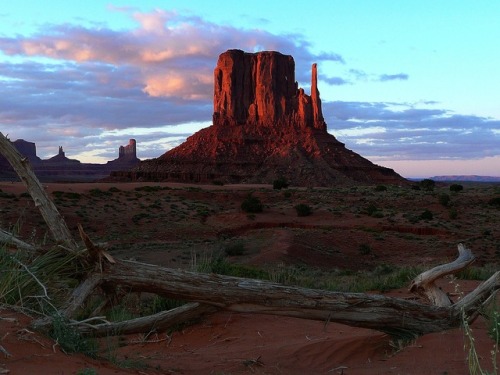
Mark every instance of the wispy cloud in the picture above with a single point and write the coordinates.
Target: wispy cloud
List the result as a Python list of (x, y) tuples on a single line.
[(409, 133), (393, 77)]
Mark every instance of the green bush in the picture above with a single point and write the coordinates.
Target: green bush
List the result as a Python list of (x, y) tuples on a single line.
[(494, 202), (280, 183), (456, 188), (453, 214), (426, 215), (380, 188), (303, 209), (365, 249), (70, 339), (252, 204), (427, 184), (444, 199)]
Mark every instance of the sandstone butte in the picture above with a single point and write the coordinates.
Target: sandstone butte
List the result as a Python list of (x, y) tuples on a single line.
[(264, 127)]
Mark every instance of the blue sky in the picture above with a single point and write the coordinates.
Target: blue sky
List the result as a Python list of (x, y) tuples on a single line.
[(412, 85)]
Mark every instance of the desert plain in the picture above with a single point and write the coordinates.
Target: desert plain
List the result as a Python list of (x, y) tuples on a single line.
[(365, 238)]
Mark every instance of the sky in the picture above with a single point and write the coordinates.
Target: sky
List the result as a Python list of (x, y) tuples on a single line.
[(411, 85)]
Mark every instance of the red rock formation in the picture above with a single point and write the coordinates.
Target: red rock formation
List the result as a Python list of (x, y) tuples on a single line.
[(129, 151), (260, 88), (265, 127)]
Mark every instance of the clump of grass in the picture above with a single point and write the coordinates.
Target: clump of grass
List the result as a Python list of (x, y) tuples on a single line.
[(26, 279), (472, 355), (71, 340), (235, 249)]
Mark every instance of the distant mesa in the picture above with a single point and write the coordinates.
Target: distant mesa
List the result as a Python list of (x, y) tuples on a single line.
[(264, 127), (63, 169)]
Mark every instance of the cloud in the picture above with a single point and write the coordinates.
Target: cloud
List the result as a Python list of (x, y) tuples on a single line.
[(335, 81), (393, 77), (69, 84), (398, 131)]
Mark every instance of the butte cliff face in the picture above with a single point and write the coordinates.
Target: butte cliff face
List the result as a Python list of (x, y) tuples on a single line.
[(260, 89), (264, 127)]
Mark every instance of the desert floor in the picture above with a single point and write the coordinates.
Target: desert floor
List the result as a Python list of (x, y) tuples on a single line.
[(357, 230)]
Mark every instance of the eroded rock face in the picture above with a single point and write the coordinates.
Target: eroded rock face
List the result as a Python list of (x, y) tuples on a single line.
[(260, 88), (265, 127)]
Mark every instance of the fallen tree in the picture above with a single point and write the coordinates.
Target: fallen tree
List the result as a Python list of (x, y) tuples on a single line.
[(207, 293)]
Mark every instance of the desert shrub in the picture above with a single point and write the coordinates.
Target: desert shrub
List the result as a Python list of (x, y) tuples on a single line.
[(217, 182), (415, 187), (365, 249), (138, 217), (380, 188), (373, 211), (287, 194), (98, 193), (494, 202), (280, 183), (303, 209), (427, 184), (456, 188), (114, 189), (234, 249), (251, 204), (426, 215), (148, 188), (4, 194), (444, 199), (453, 213)]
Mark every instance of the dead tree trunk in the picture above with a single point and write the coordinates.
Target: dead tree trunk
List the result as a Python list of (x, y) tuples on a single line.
[(391, 315), (51, 215)]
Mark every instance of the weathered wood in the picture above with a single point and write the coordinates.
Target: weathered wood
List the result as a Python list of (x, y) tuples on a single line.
[(391, 315), (81, 293), (9, 239), (159, 322), (49, 211), (471, 303), (424, 284)]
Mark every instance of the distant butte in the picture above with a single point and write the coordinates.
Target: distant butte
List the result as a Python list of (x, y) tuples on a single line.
[(59, 168), (264, 127)]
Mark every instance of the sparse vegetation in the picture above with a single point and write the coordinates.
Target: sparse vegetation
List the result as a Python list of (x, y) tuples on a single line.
[(426, 215), (252, 204), (280, 183), (456, 188), (303, 209), (444, 199)]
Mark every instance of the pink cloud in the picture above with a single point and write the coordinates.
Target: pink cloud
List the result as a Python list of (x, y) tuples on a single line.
[(164, 46)]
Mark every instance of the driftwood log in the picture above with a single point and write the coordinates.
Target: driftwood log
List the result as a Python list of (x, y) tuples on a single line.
[(207, 293)]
